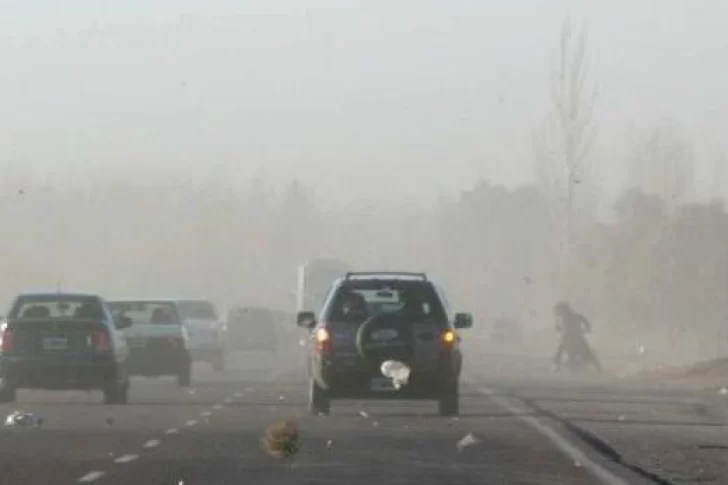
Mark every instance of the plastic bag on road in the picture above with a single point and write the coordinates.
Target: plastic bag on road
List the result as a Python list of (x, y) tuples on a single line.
[(23, 419)]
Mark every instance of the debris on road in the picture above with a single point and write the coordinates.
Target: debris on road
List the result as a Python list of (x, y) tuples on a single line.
[(363, 414), (468, 440), (723, 391), (329, 444), (23, 419), (281, 439), (398, 372)]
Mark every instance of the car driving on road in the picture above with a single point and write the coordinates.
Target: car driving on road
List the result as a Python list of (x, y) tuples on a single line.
[(370, 318), (63, 341), (252, 329), (157, 339), (206, 331)]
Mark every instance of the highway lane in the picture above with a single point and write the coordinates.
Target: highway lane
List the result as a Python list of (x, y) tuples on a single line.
[(211, 435)]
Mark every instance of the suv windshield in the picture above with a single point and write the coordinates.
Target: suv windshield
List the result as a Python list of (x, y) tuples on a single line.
[(203, 310), (56, 306), (146, 312), (359, 300)]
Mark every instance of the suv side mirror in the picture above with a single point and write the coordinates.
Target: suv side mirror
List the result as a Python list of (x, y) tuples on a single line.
[(306, 319), (123, 322), (463, 320)]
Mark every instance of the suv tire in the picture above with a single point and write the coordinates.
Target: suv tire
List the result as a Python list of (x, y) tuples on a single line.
[(184, 378), (449, 401), (318, 399)]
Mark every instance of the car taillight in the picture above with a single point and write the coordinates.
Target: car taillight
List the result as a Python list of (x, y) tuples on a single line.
[(6, 341), (100, 340), (323, 340)]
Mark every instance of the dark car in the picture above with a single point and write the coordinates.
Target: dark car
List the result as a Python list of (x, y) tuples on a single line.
[(63, 341), (369, 318), (157, 339), (252, 329)]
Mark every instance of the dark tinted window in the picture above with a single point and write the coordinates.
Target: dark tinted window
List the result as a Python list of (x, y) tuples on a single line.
[(358, 300), (203, 310), (146, 312), (57, 306)]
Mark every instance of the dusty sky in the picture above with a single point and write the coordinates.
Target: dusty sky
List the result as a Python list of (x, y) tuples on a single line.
[(351, 96)]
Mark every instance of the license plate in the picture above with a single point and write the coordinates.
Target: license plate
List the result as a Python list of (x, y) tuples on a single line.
[(55, 343), (382, 384)]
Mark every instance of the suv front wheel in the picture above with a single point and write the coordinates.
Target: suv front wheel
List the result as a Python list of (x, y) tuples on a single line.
[(318, 400), (449, 401)]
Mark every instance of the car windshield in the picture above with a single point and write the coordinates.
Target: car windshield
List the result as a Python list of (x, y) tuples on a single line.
[(146, 312), (57, 306), (361, 299), (203, 310)]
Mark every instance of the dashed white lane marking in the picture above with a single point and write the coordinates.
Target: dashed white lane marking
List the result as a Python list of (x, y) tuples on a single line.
[(206, 414), (563, 444), (172, 431), (152, 444), (238, 394), (91, 477), (191, 422), (126, 458), (228, 401), (217, 407)]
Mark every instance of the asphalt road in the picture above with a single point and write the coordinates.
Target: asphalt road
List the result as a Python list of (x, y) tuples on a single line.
[(539, 429)]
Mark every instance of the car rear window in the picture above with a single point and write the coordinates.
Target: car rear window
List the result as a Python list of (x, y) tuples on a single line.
[(57, 306), (203, 310), (358, 300), (146, 312)]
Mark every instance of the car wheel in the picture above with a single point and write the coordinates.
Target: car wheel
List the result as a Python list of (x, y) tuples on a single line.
[(184, 378), (8, 393), (117, 393), (449, 402), (318, 399)]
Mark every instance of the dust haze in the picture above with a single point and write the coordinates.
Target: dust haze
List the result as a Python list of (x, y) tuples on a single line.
[(170, 150)]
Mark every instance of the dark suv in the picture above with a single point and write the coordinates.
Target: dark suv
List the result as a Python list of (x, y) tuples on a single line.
[(369, 318)]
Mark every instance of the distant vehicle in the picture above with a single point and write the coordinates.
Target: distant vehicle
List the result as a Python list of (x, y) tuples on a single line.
[(252, 329), (314, 281), (63, 341), (206, 332), (506, 331), (157, 339), (370, 318)]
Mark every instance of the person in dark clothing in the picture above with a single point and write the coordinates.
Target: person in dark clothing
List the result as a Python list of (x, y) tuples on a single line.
[(573, 326)]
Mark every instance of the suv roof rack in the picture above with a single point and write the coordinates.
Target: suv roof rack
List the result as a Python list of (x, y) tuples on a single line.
[(386, 274)]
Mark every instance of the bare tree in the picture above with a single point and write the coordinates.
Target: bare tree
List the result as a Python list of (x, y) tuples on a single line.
[(563, 144), (661, 162)]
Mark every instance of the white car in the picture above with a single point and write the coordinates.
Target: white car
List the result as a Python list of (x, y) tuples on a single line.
[(205, 331)]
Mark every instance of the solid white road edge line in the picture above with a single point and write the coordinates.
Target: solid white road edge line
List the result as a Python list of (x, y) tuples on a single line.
[(563, 444), (91, 477)]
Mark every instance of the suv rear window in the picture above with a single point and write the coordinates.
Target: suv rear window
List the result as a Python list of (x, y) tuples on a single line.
[(56, 306), (359, 300), (145, 312), (203, 310)]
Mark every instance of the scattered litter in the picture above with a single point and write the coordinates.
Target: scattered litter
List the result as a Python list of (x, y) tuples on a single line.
[(281, 439), (329, 443), (397, 371), (723, 391), (468, 440), (23, 419), (363, 414)]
